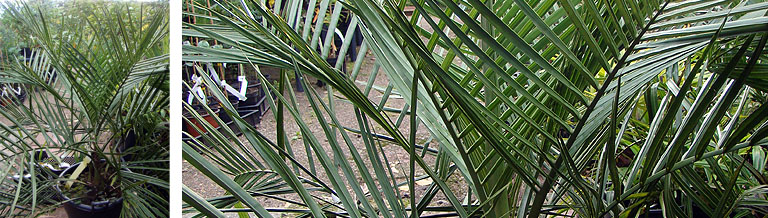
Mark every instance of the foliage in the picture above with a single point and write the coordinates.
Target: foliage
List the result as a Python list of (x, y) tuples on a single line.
[(557, 108)]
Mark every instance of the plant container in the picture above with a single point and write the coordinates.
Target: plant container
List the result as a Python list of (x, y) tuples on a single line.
[(125, 144), (658, 213), (225, 118), (190, 126), (26, 52), (252, 108), (100, 209), (250, 111), (223, 114)]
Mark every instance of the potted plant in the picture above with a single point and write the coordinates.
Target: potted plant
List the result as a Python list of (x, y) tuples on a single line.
[(96, 203), (110, 100)]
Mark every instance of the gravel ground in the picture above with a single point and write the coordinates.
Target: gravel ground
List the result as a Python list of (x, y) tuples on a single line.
[(396, 156)]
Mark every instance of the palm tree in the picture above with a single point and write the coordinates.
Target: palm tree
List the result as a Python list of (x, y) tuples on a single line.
[(587, 108), (97, 84)]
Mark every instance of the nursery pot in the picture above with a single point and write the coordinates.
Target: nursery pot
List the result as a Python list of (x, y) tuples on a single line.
[(249, 109), (26, 52), (105, 209), (253, 96), (125, 143), (223, 114), (655, 210), (199, 123), (658, 213)]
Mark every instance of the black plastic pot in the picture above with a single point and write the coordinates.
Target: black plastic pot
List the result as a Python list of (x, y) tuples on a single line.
[(252, 108), (223, 114), (126, 143), (655, 210), (102, 209), (26, 52), (252, 95), (250, 112), (658, 213)]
